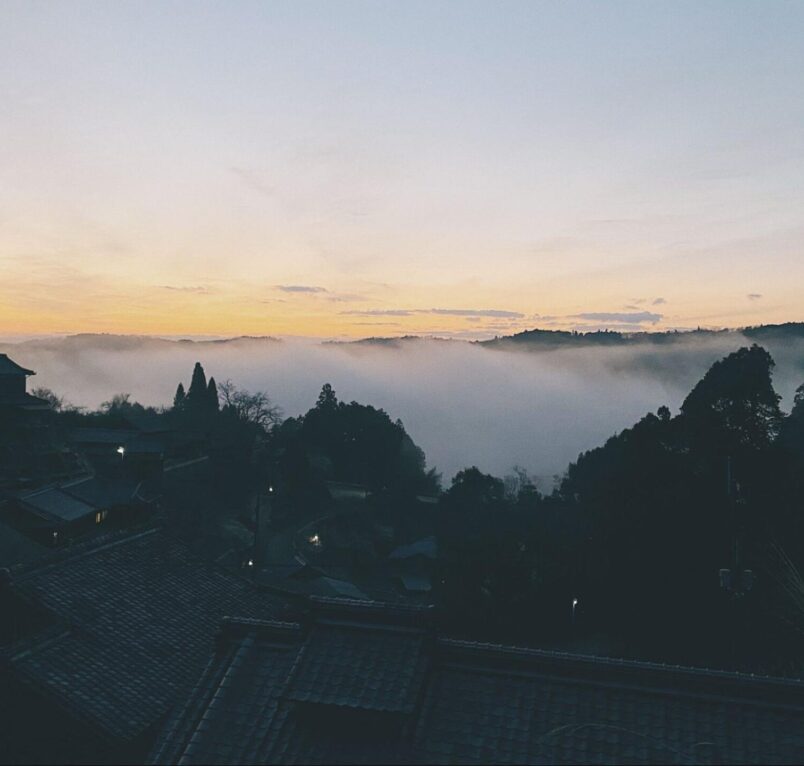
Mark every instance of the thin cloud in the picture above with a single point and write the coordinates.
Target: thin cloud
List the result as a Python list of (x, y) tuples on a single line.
[(345, 298), (380, 313), (474, 313), (496, 313), (754, 296), (379, 324), (301, 289), (659, 302), (637, 317), (188, 289)]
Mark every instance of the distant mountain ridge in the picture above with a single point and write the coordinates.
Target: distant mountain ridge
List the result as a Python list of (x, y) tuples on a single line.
[(114, 342), (550, 339), (536, 339), (562, 338)]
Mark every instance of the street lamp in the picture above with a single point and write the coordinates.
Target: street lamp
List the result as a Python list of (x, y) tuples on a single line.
[(121, 450), (574, 606)]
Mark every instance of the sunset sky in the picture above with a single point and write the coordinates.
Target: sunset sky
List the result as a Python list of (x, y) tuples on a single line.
[(340, 169)]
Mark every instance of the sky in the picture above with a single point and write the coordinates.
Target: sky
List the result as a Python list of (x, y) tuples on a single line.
[(346, 169)]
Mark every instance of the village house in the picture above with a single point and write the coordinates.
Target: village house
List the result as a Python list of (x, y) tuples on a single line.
[(31, 452), (362, 682), (13, 384), (98, 640), (56, 514)]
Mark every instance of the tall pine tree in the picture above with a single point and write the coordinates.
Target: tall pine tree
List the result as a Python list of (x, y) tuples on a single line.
[(212, 396), (179, 398), (197, 393)]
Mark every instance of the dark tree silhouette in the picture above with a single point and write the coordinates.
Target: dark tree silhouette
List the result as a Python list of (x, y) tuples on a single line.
[(119, 404), (472, 488), (213, 405), (734, 407), (255, 408), (55, 402), (197, 393), (358, 443), (673, 500), (326, 399), (179, 398)]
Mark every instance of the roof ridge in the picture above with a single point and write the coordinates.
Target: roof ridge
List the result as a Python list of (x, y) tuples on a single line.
[(370, 604), (15, 368), (524, 653), (80, 550)]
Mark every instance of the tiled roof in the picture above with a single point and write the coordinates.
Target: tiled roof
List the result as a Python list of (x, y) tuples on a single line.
[(55, 503), (24, 400), (10, 367), (148, 422), (102, 491), (426, 547), (371, 668), (16, 548), (140, 614), (133, 441), (111, 436), (356, 683)]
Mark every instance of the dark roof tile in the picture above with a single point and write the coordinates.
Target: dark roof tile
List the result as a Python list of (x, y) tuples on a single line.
[(358, 689), (10, 367), (141, 613)]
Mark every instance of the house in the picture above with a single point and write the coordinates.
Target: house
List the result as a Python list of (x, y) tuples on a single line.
[(54, 514), (122, 450), (13, 383), (50, 515), (30, 451), (414, 564), (355, 682), (100, 639)]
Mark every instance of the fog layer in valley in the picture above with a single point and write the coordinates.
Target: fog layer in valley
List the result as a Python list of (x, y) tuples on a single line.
[(462, 403)]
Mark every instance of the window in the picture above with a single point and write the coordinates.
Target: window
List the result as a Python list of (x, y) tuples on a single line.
[(100, 516)]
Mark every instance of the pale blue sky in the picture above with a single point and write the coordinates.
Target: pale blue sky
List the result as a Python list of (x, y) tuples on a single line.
[(174, 164)]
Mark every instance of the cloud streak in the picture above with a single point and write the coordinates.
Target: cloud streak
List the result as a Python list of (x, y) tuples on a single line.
[(628, 317), (379, 313), (301, 289), (470, 313), (189, 289), (496, 313)]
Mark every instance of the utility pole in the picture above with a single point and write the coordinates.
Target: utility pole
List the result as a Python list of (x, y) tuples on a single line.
[(253, 561), (735, 581)]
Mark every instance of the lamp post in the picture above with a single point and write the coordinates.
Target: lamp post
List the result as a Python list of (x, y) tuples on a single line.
[(121, 450), (574, 607)]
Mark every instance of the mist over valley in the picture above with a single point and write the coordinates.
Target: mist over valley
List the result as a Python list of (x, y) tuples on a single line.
[(535, 404)]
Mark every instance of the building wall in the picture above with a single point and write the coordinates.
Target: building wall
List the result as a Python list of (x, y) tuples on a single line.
[(12, 385)]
